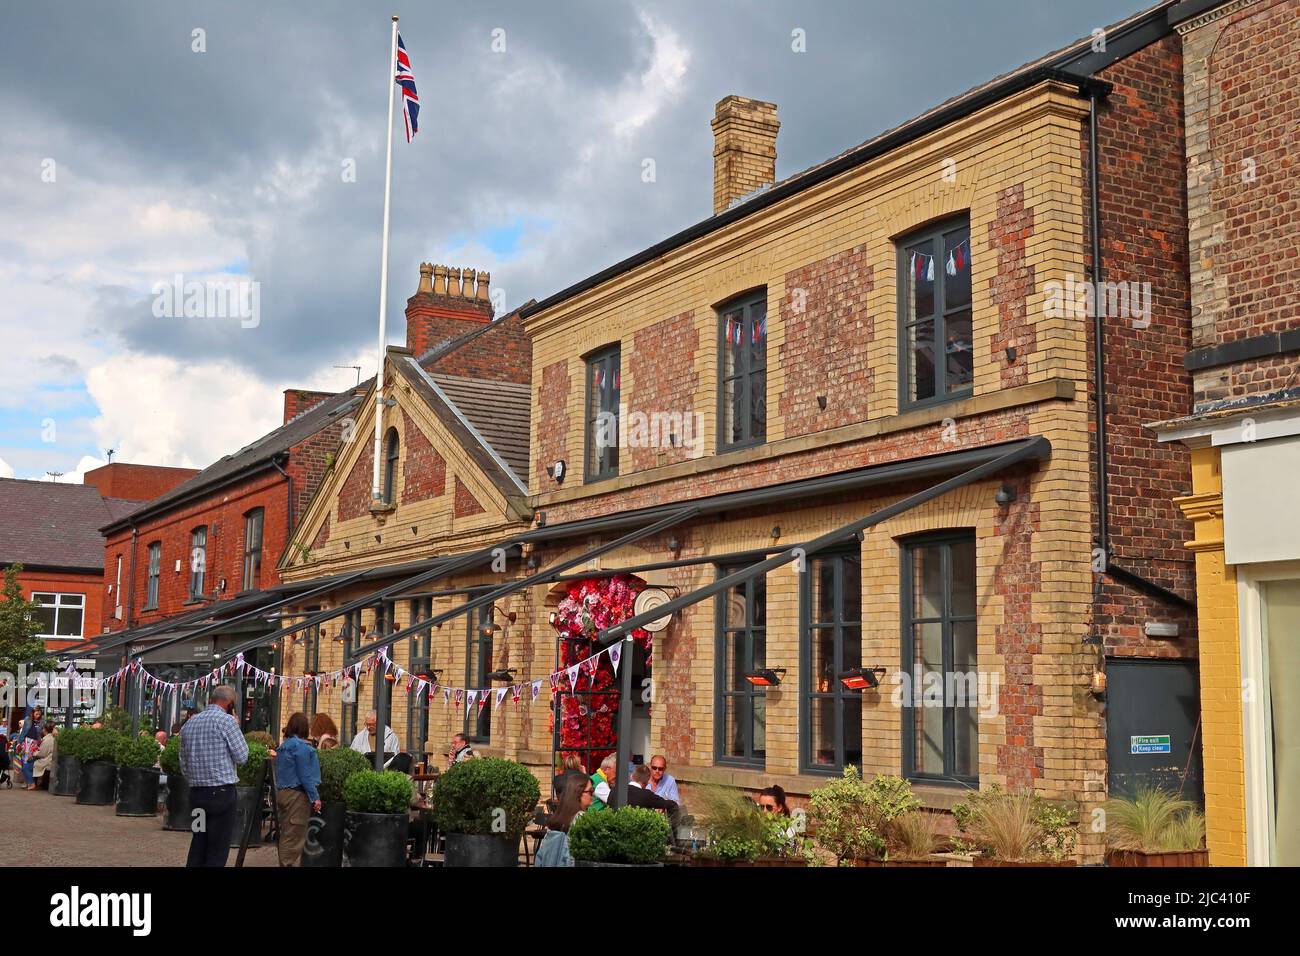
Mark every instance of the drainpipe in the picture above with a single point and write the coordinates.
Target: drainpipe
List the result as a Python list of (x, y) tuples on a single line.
[(289, 479), (130, 606)]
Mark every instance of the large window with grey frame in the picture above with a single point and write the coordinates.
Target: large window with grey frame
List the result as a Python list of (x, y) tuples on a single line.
[(934, 305), (419, 648), (742, 387), (741, 713), (478, 665), (154, 572), (385, 623), (604, 382), (253, 549), (831, 613), (940, 714), (198, 560)]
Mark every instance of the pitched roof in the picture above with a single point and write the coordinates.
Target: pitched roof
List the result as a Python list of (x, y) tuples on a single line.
[(253, 456), (1075, 63), (53, 525)]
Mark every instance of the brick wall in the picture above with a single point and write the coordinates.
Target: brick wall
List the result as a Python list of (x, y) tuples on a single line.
[(1012, 285), (299, 400), (433, 319), (136, 482), (465, 502), (354, 496), (424, 471), (1144, 225), (1243, 132), (549, 439), (828, 324), (661, 371), (308, 463)]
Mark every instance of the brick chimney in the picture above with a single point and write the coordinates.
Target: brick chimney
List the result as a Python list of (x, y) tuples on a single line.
[(744, 148), (448, 303), (299, 400)]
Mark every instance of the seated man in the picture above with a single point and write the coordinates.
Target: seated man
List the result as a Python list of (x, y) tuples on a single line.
[(364, 743), (639, 796)]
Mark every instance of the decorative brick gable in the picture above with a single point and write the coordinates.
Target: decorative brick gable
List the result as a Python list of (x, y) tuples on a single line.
[(322, 536), (354, 497), (424, 471), (466, 503), (661, 367), (827, 333)]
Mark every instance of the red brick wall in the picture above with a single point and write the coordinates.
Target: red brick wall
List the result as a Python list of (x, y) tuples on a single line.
[(1012, 285), (552, 421), (308, 463), (136, 482), (663, 378), (503, 353), (466, 503), (432, 320), (354, 496), (222, 512), (299, 400), (1144, 239), (66, 582), (424, 470), (827, 330)]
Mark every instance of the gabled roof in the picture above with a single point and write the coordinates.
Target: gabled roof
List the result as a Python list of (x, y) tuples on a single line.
[(1075, 64), (252, 457), (50, 525)]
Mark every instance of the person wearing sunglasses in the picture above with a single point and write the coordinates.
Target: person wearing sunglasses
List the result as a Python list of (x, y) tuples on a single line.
[(661, 782)]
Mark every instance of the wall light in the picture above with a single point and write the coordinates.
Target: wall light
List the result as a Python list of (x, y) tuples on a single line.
[(767, 677), (862, 678), (504, 675)]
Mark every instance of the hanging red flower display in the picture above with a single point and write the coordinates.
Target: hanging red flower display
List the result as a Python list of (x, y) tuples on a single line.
[(590, 703)]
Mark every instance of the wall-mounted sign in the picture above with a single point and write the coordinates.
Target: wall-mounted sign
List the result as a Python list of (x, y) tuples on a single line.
[(349, 692), (1150, 744)]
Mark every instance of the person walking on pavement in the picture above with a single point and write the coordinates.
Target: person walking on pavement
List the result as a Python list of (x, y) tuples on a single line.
[(212, 748)]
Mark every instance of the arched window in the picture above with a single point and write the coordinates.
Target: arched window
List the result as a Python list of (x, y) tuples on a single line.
[(390, 465)]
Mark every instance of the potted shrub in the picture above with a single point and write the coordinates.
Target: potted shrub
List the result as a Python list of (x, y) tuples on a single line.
[(97, 749), (248, 795), (176, 814), (1016, 829), (260, 737), (913, 839), (740, 834), (378, 805), (137, 780), (852, 818), (630, 836), (326, 831), (1155, 828), (67, 762), (483, 806)]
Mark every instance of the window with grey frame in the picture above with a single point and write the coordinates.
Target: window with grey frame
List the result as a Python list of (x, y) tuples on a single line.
[(940, 729), (604, 381), (419, 648), (936, 358), (310, 637), (392, 451), (253, 549), (478, 665), (742, 384), (198, 561), (385, 623), (831, 614), (151, 581), (741, 715)]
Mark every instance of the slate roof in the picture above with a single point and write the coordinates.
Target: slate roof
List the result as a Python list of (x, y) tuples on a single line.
[(52, 525), (498, 411), (255, 455)]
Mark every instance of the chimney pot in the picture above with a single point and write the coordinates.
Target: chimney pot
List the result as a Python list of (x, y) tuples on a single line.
[(483, 279), (453, 282), (467, 283), (439, 280), (426, 278), (744, 148)]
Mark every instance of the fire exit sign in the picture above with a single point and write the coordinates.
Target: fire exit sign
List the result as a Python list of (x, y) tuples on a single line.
[(1151, 744)]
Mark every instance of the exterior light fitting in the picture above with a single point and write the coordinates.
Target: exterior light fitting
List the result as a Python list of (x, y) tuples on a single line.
[(503, 675), (557, 470), (862, 678), (766, 677), (1005, 495)]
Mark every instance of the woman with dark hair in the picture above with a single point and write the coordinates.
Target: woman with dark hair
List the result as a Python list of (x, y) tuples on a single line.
[(44, 762), (4, 762), (297, 777), (575, 799), (324, 733), (772, 800)]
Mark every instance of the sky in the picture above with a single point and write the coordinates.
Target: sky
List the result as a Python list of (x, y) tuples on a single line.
[(147, 144)]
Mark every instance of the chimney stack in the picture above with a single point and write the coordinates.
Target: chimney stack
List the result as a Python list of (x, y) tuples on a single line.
[(744, 148), (445, 306)]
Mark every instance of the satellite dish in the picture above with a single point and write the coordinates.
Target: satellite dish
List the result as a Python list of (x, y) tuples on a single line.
[(648, 600)]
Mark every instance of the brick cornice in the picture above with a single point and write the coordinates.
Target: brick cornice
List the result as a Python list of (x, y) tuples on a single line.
[(1218, 13), (1205, 511)]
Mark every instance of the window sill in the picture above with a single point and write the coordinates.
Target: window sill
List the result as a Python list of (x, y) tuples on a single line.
[(904, 408), (383, 509)]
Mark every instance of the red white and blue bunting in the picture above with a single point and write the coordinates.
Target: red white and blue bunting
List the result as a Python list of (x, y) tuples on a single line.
[(921, 265)]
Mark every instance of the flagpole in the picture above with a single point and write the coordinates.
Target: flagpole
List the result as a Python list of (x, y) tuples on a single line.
[(375, 492)]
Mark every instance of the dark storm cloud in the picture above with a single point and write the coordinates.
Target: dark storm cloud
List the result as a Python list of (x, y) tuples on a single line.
[(254, 131)]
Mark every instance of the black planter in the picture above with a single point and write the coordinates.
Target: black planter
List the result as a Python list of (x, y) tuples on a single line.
[(248, 802), (326, 832), (67, 775), (376, 839), (97, 784), (137, 791), (177, 816), (464, 849), (599, 863)]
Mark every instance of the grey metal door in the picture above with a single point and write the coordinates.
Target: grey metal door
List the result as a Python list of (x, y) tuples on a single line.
[(1152, 732)]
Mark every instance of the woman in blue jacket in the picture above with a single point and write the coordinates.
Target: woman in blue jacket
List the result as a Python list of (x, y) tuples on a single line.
[(297, 779)]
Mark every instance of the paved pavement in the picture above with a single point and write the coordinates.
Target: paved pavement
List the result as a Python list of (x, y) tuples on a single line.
[(37, 829)]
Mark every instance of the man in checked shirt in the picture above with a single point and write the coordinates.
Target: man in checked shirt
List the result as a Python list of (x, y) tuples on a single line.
[(212, 748)]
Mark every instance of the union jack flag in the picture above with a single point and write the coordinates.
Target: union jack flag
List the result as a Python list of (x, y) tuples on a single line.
[(410, 99)]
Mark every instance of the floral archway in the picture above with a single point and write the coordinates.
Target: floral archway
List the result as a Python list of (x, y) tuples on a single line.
[(589, 708)]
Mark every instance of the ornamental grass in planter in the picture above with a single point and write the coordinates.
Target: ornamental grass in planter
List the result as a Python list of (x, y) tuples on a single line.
[(377, 821), (483, 806), (97, 750), (1016, 829), (852, 817), (912, 840), (67, 764), (248, 795), (630, 836), (176, 815), (1155, 828), (740, 834), (137, 780), (326, 832)]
